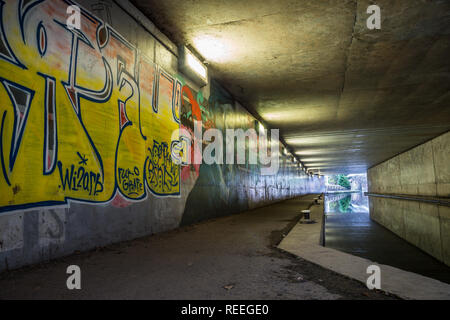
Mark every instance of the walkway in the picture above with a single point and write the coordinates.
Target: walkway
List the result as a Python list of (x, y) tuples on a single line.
[(234, 257)]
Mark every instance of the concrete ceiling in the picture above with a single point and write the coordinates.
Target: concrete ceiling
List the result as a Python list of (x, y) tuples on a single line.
[(344, 97)]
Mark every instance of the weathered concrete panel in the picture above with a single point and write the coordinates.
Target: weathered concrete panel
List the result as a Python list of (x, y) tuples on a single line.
[(444, 217), (11, 232), (441, 156), (422, 171), (417, 171)]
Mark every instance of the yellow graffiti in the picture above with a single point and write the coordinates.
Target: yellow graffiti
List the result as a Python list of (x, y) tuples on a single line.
[(83, 114)]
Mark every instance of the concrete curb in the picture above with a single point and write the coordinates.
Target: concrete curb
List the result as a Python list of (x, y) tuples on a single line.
[(303, 241)]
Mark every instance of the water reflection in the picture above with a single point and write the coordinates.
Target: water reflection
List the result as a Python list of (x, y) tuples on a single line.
[(348, 228), (346, 202)]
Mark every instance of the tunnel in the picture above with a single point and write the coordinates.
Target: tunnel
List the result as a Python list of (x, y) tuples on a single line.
[(225, 150)]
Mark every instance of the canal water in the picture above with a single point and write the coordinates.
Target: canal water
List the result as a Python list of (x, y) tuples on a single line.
[(348, 228)]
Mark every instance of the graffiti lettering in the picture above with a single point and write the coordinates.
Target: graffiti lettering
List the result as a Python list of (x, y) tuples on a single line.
[(163, 174), (79, 179), (85, 88), (129, 181)]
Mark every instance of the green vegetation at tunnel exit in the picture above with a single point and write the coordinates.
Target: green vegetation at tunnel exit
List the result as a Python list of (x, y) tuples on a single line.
[(340, 179), (344, 204)]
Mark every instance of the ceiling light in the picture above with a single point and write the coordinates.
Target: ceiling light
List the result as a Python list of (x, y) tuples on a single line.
[(196, 65), (212, 48), (261, 127), (192, 67)]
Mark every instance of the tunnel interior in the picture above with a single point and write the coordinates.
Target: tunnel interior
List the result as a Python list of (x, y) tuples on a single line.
[(187, 129)]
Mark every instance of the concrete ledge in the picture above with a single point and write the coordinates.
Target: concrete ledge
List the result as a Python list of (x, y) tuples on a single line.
[(303, 241), (442, 201)]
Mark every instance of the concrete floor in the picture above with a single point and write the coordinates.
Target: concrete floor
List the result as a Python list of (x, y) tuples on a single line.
[(234, 257)]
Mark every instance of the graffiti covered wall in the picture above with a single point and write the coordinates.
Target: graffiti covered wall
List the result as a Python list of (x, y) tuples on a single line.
[(88, 127), (83, 113)]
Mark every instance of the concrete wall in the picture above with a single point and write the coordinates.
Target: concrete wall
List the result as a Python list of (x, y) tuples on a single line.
[(422, 171), (86, 123)]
